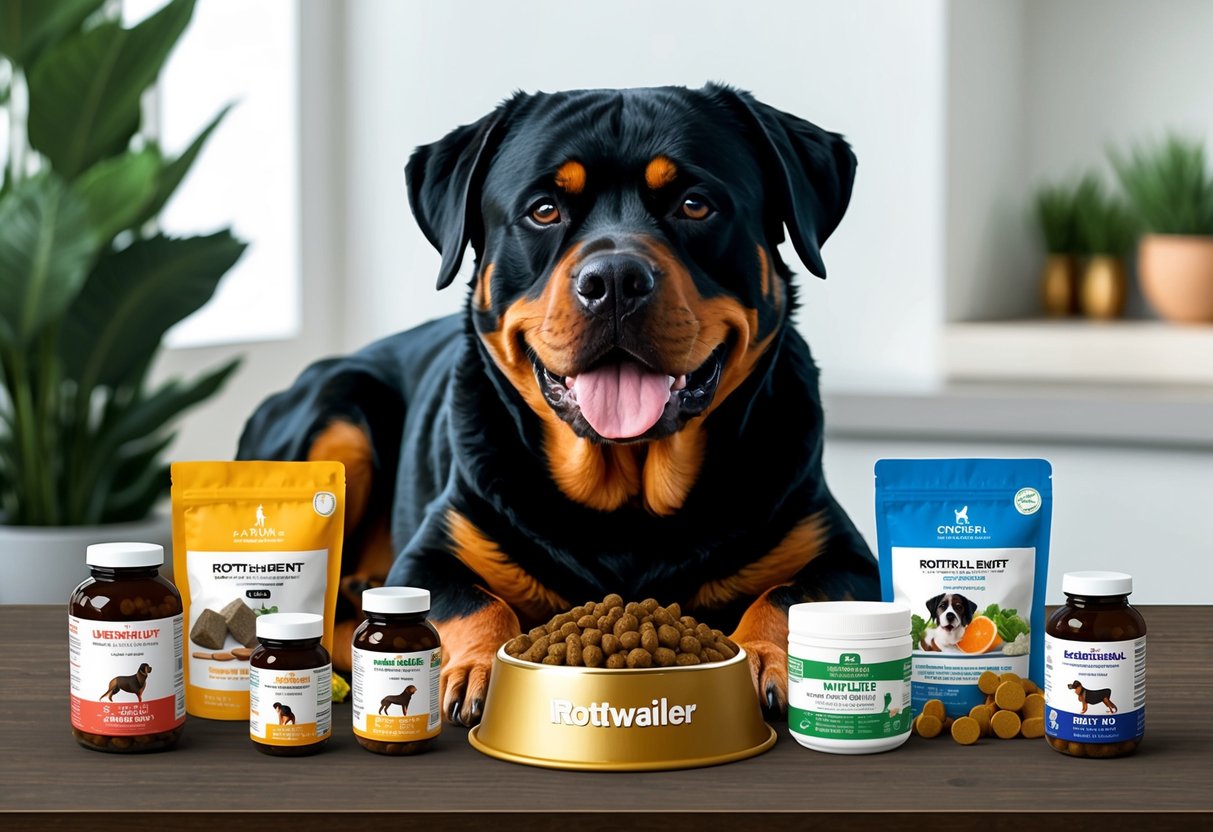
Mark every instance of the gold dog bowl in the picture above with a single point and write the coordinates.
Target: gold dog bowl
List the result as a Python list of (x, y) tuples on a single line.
[(595, 719)]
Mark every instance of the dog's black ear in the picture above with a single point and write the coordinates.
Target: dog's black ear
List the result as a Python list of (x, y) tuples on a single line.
[(933, 603), (970, 608), (814, 170), (444, 181)]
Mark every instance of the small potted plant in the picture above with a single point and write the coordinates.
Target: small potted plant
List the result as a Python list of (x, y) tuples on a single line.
[(1106, 233), (1171, 188), (1054, 216), (88, 289)]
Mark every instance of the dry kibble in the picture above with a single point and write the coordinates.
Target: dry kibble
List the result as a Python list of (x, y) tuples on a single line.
[(591, 636), (1009, 696), (1005, 724), (935, 708), (648, 640), (537, 633), (630, 640), (592, 655), (689, 644), (928, 725), (586, 621), (966, 730), (987, 682), (617, 660), (663, 657), (573, 650), (668, 636), (640, 658), (517, 646), (612, 601), (610, 644), (627, 623), (686, 658)]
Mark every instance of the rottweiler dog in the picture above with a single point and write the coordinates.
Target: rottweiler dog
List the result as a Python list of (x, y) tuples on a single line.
[(623, 405)]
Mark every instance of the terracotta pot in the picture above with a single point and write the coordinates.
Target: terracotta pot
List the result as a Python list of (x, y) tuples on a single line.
[(1176, 274), (1059, 285), (1103, 288)]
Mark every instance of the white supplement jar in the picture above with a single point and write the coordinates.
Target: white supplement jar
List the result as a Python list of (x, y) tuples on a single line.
[(849, 676)]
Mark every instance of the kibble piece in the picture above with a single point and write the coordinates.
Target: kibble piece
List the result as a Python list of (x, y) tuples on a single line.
[(935, 708), (711, 655), (640, 658), (629, 640), (1005, 724), (928, 725), (668, 636), (1033, 727), (1009, 696), (982, 714), (517, 646), (573, 650), (617, 660), (592, 655), (592, 636), (664, 657), (586, 621), (612, 601), (684, 659), (210, 630), (725, 651), (1033, 706), (966, 730), (553, 660), (689, 644), (987, 682), (610, 644), (537, 633), (568, 628), (559, 650), (648, 639), (627, 623)]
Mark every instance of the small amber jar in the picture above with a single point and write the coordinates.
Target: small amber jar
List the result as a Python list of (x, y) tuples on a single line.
[(1095, 668), (290, 686), (396, 662), (125, 639)]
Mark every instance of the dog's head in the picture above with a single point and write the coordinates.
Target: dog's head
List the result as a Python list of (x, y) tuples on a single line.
[(627, 274), (410, 690), (951, 611), (1075, 686), (278, 706), (145, 668)]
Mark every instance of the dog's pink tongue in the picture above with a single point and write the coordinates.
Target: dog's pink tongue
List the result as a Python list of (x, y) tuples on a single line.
[(621, 401)]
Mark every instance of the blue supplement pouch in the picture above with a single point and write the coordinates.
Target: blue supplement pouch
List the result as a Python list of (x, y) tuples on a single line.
[(965, 543)]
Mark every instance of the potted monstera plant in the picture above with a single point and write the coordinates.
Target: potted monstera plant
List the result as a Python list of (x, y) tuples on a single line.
[(88, 288)]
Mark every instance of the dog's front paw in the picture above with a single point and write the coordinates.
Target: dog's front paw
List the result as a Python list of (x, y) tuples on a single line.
[(463, 685), (769, 668)]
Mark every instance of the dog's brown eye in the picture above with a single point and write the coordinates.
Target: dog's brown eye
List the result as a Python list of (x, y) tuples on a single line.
[(545, 213), (695, 207)]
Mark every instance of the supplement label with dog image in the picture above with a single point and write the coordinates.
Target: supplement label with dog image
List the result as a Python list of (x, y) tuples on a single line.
[(1095, 692), (126, 677), (396, 695), (964, 543), (290, 707)]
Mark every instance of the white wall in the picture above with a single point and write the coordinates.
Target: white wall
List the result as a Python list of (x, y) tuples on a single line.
[(871, 70), (1126, 509)]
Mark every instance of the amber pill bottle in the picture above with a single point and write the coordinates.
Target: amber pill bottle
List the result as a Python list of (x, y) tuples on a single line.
[(397, 658), (290, 686), (1095, 668), (125, 647)]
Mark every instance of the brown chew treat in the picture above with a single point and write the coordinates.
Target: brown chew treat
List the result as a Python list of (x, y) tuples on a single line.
[(210, 630), (928, 725), (987, 682), (1005, 724), (1029, 687), (966, 730), (222, 657), (241, 622), (1009, 677), (935, 708), (615, 635), (242, 653), (201, 655), (1009, 696), (1033, 706), (1033, 727), (982, 714)]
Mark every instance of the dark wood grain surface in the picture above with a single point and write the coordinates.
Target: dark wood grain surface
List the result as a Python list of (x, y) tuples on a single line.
[(48, 782)]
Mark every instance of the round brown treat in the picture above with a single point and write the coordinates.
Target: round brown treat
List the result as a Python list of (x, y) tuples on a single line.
[(1030, 687), (1009, 696), (127, 607), (592, 636), (400, 643), (201, 655), (553, 660), (1033, 706), (663, 657), (966, 730), (982, 714), (1005, 724), (928, 725), (612, 600), (610, 644), (668, 636), (987, 682), (587, 621), (629, 640), (573, 650), (711, 655), (640, 658), (1076, 749), (223, 656), (689, 644), (568, 628), (170, 602), (935, 708), (1009, 677), (592, 655), (648, 639), (242, 653), (1033, 727), (617, 660), (559, 650), (683, 659), (626, 623), (537, 633)]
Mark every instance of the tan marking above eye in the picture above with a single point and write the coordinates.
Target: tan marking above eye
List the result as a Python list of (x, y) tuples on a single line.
[(545, 213), (660, 172), (570, 177)]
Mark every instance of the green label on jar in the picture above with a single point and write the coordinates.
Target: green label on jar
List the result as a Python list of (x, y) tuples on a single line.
[(848, 700)]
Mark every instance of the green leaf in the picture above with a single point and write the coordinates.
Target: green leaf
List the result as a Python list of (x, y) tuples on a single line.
[(45, 249), (29, 26), (116, 191), (84, 92), (133, 297), (174, 172)]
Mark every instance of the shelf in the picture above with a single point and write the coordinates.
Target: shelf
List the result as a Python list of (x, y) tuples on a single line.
[(1128, 352)]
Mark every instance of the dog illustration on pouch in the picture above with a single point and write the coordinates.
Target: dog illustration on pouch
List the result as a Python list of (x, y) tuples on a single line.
[(402, 699), (286, 716), (1091, 696), (950, 613), (136, 683), (623, 405)]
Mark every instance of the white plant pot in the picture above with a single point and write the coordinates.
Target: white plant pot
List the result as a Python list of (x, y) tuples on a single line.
[(43, 564)]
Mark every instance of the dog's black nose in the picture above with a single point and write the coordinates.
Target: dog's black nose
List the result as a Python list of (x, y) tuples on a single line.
[(614, 283)]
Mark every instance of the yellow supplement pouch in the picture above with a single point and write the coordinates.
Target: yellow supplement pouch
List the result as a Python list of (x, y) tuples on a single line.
[(250, 538)]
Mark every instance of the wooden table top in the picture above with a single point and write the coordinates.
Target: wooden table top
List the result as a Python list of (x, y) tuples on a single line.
[(48, 782)]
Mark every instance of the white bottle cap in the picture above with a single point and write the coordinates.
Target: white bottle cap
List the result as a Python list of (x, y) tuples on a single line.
[(290, 626), (124, 555), (396, 600), (854, 619), (1096, 583)]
